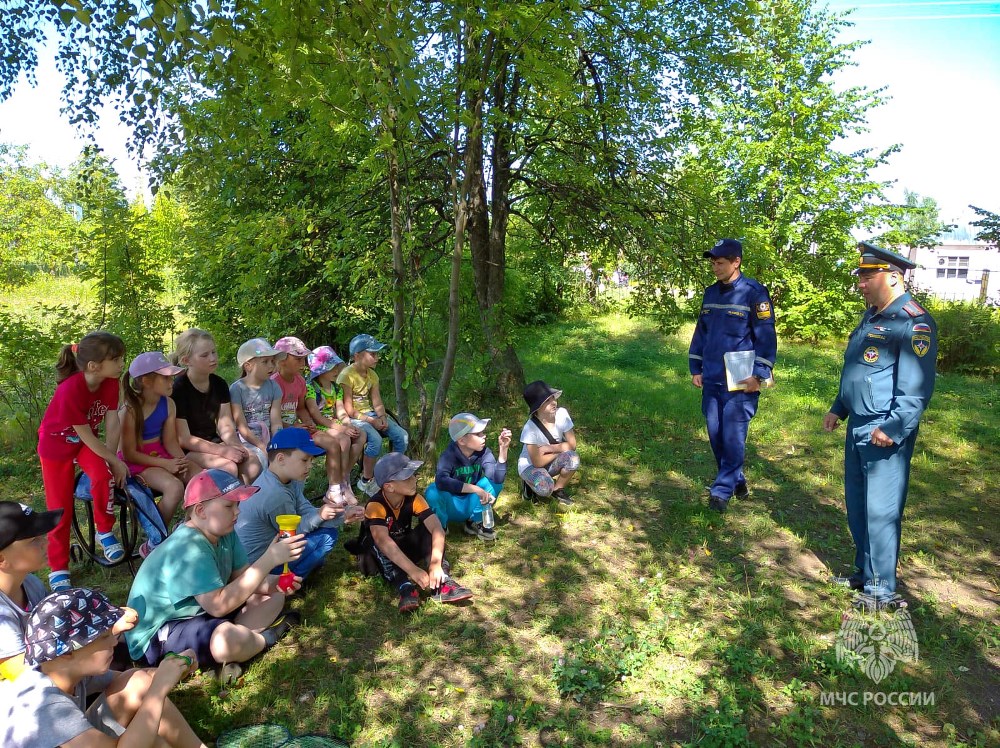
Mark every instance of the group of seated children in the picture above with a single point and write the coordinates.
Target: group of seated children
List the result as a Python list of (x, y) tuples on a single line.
[(212, 593)]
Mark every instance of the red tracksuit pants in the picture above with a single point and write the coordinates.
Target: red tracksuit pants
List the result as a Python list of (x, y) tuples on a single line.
[(57, 477)]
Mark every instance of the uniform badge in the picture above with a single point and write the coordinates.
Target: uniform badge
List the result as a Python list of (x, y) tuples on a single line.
[(763, 310), (921, 327), (921, 344), (871, 354)]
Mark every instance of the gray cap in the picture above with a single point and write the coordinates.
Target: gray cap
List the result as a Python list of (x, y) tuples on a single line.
[(394, 466)]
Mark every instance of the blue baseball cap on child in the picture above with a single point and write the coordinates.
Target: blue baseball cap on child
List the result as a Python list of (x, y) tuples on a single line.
[(365, 342), (295, 438), (394, 466)]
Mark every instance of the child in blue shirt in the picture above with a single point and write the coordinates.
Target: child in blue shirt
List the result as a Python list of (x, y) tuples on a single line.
[(468, 475)]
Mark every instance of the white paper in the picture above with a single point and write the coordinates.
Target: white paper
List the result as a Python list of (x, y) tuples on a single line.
[(739, 366)]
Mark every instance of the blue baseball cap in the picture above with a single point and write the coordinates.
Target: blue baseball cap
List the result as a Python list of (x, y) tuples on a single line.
[(365, 342), (394, 466), (295, 438), (725, 248)]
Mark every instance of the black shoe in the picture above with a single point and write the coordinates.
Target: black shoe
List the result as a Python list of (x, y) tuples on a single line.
[(718, 504), (853, 582), (562, 497), (273, 633), (878, 603), (741, 490)]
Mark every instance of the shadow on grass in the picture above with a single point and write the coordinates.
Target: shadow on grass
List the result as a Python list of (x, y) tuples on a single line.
[(672, 624)]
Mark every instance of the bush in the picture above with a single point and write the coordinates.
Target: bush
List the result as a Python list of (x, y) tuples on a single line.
[(28, 354), (968, 336)]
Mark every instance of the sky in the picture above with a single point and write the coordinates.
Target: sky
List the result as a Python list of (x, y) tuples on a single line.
[(940, 63)]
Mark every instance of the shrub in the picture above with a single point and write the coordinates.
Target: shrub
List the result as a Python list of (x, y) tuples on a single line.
[(968, 336)]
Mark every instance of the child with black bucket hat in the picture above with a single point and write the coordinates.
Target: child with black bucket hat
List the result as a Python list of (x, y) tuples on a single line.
[(549, 460), (69, 639)]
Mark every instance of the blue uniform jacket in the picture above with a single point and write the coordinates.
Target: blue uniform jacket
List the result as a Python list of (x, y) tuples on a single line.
[(454, 469), (889, 368), (735, 316)]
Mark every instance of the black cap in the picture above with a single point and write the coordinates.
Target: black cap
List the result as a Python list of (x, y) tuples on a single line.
[(20, 522), (725, 248), (876, 258)]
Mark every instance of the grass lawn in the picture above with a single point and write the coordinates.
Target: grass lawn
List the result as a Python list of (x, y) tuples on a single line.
[(638, 618)]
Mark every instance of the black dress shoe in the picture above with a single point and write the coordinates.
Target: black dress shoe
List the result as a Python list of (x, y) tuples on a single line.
[(855, 583), (742, 491)]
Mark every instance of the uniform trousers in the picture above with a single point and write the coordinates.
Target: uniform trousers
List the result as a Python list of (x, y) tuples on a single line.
[(727, 415), (875, 483)]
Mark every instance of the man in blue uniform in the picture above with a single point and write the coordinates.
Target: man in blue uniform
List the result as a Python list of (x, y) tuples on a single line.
[(736, 315), (886, 383)]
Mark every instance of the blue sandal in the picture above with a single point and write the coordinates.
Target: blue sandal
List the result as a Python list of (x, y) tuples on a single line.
[(113, 550), (59, 581)]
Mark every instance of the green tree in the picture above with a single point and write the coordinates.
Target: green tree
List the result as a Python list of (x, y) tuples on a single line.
[(35, 229), (915, 223), (988, 225)]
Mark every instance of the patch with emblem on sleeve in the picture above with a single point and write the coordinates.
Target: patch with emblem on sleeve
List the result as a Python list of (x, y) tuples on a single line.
[(871, 354), (921, 327), (921, 344), (763, 310)]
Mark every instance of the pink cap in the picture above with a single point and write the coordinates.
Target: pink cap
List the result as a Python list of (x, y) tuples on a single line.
[(292, 346), (216, 484)]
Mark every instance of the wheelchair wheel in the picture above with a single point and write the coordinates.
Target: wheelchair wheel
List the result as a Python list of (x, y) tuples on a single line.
[(85, 530)]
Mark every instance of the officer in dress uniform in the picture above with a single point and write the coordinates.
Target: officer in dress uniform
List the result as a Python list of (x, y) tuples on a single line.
[(886, 384), (736, 315)]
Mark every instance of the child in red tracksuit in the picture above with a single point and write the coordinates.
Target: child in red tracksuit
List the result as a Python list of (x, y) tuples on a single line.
[(86, 395)]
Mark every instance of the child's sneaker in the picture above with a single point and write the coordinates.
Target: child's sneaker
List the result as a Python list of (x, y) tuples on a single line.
[(477, 529), (145, 549), (59, 581), (409, 599), (451, 591), (367, 486), (113, 550)]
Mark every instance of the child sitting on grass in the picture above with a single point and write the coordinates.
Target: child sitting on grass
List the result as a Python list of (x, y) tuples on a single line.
[(294, 410), (22, 552), (363, 403), (325, 403), (468, 475), (548, 459), (69, 638), (198, 590), (205, 426), (256, 398), (149, 432), (290, 456), (389, 545)]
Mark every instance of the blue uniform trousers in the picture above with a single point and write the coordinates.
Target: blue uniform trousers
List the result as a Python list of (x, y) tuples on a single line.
[(728, 415), (875, 483), (451, 507)]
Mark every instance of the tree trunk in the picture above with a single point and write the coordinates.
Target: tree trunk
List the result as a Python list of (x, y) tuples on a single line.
[(398, 285), (488, 242)]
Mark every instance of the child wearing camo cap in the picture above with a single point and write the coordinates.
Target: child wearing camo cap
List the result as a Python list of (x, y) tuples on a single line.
[(70, 637)]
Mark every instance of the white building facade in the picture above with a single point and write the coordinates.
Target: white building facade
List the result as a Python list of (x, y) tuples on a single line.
[(957, 271)]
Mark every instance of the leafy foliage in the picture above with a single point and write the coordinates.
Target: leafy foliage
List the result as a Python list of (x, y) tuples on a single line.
[(968, 336), (915, 223), (988, 225)]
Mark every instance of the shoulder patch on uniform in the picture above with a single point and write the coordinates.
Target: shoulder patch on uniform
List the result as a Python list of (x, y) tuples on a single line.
[(914, 309), (921, 327), (921, 344), (763, 310)]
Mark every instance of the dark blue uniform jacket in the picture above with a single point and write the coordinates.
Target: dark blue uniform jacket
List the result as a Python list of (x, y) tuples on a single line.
[(735, 316)]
